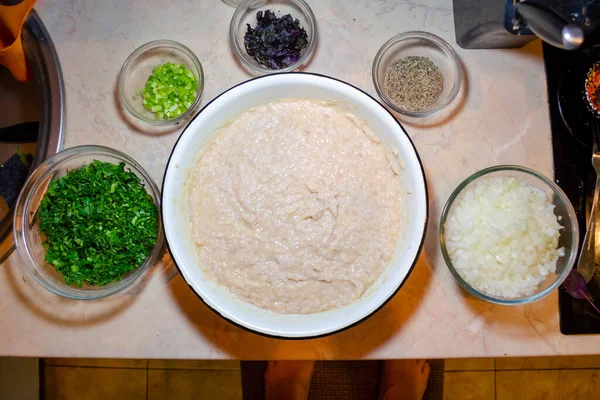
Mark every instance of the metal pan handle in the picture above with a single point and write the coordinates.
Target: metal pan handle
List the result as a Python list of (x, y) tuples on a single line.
[(551, 27)]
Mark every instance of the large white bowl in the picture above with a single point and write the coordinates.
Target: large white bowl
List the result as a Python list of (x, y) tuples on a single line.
[(226, 107)]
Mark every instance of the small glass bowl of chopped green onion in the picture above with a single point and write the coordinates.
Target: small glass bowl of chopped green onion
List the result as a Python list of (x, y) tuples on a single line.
[(104, 231), (296, 54), (417, 74), (161, 83)]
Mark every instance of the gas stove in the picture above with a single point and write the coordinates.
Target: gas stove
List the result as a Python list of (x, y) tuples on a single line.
[(573, 169)]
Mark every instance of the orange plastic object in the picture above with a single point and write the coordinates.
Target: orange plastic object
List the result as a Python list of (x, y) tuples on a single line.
[(11, 48)]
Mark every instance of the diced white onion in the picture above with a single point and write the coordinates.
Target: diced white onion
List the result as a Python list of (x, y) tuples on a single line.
[(502, 237)]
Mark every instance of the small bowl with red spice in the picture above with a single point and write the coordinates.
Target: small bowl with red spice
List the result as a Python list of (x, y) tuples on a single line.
[(270, 36), (417, 74), (592, 89)]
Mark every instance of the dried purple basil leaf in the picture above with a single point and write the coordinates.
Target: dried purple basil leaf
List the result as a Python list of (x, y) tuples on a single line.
[(275, 42), (575, 285)]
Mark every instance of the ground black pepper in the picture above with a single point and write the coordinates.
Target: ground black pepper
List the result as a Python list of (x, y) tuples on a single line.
[(413, 83)]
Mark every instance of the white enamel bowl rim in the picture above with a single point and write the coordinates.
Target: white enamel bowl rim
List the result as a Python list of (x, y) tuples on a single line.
[(174, 204)]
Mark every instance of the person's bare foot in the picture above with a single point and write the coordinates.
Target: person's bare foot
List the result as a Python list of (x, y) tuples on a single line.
[(288, 380), (403, 379)]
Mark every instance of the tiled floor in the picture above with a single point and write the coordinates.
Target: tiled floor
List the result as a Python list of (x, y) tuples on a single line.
[(19, 378), (88, 379), (545, 378)]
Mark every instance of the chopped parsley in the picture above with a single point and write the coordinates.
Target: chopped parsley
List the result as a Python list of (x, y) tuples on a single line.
[(99, 222)]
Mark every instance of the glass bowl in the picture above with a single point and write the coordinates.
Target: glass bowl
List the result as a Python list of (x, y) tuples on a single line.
[(569, 235), (245, 13), (27, 236), (138, 67), (425, 45), (233, 3)]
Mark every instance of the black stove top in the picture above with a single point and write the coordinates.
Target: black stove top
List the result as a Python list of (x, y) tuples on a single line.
[(572, 166)]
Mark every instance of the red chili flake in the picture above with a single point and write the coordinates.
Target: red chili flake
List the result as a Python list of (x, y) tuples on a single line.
[(592, 84)]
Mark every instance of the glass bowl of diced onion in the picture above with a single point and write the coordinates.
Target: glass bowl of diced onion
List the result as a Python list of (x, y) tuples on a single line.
[(509, 235), (141, 64)]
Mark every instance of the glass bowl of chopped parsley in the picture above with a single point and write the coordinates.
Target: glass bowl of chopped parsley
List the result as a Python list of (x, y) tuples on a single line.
[(87, 222), (269, 36), (161, 83), (417, 74)]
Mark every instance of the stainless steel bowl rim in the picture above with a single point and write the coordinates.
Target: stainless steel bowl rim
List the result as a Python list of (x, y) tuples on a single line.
[(45, 66)]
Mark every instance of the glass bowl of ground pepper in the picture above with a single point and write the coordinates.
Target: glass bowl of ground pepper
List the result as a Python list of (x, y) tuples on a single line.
[(417, 74), (87, 223), (269, 36), (161, 83)]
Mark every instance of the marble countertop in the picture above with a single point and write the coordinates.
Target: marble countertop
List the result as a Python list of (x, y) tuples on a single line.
[(501, 117)]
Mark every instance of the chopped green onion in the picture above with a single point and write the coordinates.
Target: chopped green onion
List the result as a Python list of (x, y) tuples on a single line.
[(170, 90)]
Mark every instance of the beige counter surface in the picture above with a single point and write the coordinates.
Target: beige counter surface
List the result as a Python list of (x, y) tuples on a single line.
[(501, 117)]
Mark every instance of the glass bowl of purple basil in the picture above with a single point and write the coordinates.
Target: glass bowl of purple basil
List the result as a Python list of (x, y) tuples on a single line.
[(271, 36)]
